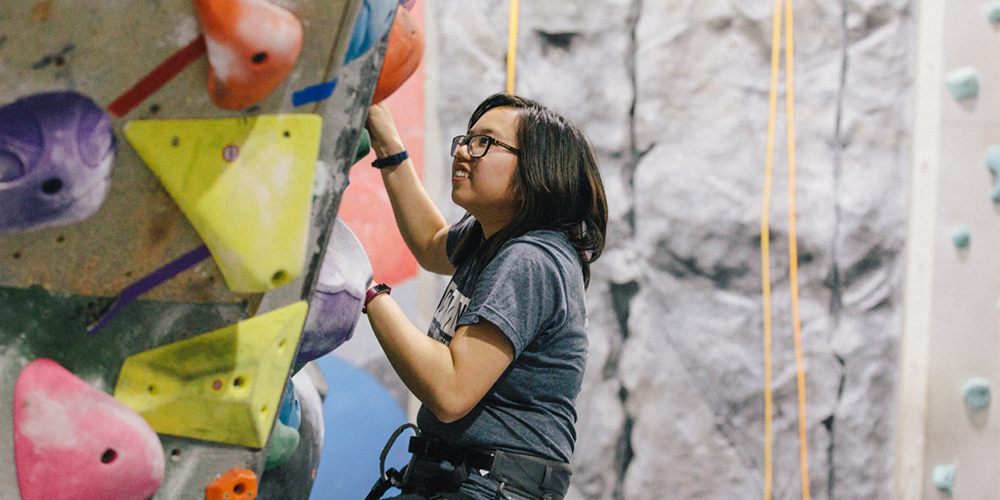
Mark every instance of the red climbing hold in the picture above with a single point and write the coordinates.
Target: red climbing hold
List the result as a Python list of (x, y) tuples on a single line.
[(72, 441), (252, 47), (402, 56), (236, 484)]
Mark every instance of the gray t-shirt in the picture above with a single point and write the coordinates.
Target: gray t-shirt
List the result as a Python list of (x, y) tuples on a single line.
[(533, 291)]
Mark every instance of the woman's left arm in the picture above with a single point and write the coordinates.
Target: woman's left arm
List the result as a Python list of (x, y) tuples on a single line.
[(448, 379)]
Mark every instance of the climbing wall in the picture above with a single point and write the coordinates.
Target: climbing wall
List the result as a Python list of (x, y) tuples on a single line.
[(948, 437), (170, 174)]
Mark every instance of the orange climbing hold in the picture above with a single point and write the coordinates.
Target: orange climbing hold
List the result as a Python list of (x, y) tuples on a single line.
[(236, 484), (402, 56), (252, 47)]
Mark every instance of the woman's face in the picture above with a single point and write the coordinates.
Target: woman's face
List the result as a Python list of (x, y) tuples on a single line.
[(483, 185)]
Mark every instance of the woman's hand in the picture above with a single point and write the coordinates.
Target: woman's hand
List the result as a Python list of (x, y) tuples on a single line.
[(382, 129)]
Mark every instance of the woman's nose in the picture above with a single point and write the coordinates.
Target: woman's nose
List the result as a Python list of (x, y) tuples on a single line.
[(463, 151)]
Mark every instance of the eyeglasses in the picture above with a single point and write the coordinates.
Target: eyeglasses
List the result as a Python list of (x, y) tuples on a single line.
[(479, 145)]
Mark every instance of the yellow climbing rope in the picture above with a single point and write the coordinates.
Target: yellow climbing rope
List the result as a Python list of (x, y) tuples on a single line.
[(512, 46), (765, 251), (792, 248)]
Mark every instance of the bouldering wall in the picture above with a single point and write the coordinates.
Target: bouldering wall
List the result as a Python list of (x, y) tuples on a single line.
[(170, 174), (674, 96)]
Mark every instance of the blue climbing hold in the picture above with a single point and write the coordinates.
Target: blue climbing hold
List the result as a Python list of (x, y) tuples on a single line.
[(993, 163), (961, 236), (976, 393), (963, 83), (943, 477), (56, 154), (290, 414), (992, 11), (373, 21)]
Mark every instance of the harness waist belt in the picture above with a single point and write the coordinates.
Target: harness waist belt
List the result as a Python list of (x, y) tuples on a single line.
[(537, 477), (436, 449)]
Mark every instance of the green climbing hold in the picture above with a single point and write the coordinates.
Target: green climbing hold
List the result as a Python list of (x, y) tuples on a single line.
[(364, 146), (961, 236), (963, 83), (976, 392), (284, 441)]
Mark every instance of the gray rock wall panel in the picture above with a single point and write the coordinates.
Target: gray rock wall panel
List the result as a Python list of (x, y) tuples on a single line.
[(674, 96)]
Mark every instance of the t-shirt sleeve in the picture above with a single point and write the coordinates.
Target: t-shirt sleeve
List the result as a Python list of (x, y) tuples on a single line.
[(519, 291), (455, 235)]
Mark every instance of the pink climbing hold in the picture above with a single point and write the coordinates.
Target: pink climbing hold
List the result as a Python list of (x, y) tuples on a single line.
[(252, 47), (72, 441)]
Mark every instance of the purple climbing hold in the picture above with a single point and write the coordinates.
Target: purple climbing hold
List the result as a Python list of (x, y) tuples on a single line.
[(333, 313), (56, 154), (340, 291)]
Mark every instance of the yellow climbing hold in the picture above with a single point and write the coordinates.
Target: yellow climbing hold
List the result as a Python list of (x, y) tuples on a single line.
[(223, 386), (246, 186)]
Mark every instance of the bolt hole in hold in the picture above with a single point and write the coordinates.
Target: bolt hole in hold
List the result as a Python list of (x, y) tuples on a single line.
[(176, 141), (230, 153), (239, 381), (52, 186), (279, 278), (175, 455), (151, 389), (259, 58), (60, 238), (239, 488), (109, 456), (287, 134)]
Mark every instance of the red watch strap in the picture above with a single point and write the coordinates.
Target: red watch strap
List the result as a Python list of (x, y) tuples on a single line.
[(373, 292)]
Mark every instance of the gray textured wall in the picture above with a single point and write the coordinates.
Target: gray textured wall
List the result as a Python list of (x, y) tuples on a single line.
[(674, 96)]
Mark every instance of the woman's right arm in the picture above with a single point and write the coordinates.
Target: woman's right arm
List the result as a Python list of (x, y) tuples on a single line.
[(424, 229)]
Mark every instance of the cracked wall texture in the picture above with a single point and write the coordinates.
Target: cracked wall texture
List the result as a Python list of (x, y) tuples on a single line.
[(674, 96)]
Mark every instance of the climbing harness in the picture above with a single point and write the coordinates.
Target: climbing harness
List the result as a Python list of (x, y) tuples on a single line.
[(392, 477), (438, 469)]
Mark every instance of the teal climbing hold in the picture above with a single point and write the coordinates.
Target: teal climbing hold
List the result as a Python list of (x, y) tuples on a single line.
[(963, 83), (993, 163), (284, 441), (961, 236), (992, 11), (976, 392), (364, 146), (943, 477)]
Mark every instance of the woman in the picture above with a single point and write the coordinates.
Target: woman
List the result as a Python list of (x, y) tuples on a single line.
[(499, 371)]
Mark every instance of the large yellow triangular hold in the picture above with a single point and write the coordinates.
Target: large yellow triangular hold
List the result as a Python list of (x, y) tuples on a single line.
[(246, 186), (223, 386)]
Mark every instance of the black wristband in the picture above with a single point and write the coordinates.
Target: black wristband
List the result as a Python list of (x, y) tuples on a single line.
[(391, 161)]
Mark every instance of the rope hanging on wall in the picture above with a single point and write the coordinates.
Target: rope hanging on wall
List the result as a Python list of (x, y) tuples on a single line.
[(512, 46), (792, 247)]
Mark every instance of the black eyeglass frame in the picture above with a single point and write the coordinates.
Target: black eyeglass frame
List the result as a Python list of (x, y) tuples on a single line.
[(464, 140)]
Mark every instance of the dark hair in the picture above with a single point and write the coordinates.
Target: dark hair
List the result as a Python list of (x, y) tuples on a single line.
[(557, 185)]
